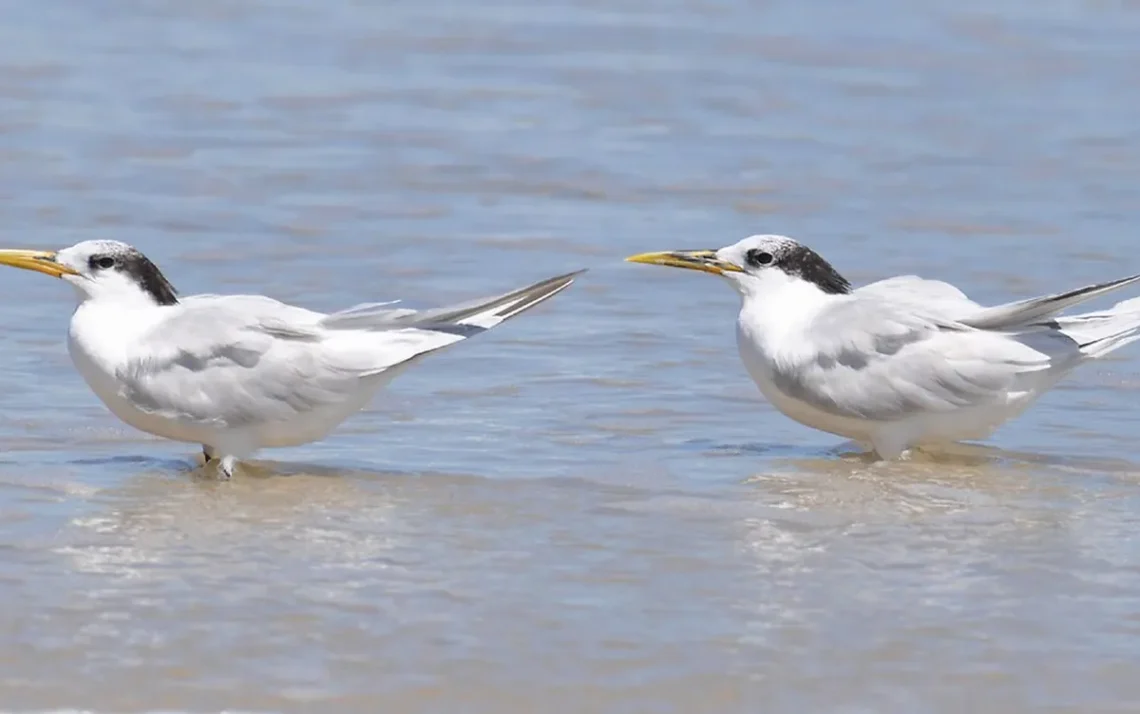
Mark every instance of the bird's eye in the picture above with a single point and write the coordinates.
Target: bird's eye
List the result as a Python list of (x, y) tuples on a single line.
[(758, 257), (104, 262)]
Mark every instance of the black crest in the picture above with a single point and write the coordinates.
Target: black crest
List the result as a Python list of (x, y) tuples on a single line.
[(795, 259), (151, 279), (125, 259), (809, 265)]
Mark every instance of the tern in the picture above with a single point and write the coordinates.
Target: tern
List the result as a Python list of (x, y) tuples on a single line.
[(236, 373), (904, 362)]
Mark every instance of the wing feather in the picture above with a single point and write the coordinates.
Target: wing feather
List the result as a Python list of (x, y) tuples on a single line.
[(943, 299), (239, 360), (1023, 312), (873, 359), (474, 315)]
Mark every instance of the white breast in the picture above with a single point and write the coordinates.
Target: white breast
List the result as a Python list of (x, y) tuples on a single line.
[(98, 341), (761, 368)]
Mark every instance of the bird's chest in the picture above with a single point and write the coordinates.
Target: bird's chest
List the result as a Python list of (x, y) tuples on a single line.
[(766, 351), (787, 377), (94, 369), (99, 342), (763, 362)]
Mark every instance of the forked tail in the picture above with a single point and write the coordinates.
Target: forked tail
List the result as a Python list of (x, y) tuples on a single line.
[(1099, 333)]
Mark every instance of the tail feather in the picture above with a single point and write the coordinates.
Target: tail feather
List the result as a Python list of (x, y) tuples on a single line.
[(1099, 333), (1025, 312), (465, 318)]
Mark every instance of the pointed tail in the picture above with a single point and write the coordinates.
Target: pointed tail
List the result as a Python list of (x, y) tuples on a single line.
[(1024, 312), (465, 318)]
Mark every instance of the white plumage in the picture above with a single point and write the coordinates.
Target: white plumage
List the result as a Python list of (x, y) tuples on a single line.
[(236, 373), (904, 361)]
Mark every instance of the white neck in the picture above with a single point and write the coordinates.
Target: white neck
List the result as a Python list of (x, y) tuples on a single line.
[(776, 310), (112, 288), (107, 326)]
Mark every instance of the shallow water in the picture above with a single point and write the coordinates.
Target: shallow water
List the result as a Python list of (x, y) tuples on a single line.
[(589, 509)]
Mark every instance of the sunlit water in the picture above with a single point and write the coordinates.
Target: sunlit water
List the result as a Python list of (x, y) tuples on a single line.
[(589, 509)]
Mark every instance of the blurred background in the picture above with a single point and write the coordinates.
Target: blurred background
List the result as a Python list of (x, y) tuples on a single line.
[(590, 509)]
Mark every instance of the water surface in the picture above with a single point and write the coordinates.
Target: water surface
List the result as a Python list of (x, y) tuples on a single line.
[(591, 508)]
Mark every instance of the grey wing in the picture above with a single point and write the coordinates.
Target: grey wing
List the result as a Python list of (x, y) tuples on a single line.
[(1025, 312), (232, 362), (945, 300), (930, 296), (465, 318), (875, 360)]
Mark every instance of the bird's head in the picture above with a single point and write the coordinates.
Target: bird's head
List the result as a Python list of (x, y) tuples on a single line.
[(99, 270), (758, 265)]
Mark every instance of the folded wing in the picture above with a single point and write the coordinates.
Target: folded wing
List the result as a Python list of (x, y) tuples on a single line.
[(222, 365), (245, 359), (875, 360)]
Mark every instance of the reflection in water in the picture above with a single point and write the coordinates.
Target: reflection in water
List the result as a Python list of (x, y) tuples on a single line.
[(892, 572), (591, 511), (159, 525)]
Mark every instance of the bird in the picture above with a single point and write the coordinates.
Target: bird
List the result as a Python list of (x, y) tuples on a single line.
[(903, 363), (237, 373)]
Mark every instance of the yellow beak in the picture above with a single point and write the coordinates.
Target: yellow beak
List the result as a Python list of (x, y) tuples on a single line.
[(42, 261), (703, 260)]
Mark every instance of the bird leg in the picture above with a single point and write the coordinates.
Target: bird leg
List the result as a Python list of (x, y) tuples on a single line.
[(889, 446), (226, 467), (225, 463)]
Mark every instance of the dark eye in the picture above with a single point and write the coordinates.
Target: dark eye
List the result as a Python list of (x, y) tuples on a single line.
[(758, 257), (104, 261)]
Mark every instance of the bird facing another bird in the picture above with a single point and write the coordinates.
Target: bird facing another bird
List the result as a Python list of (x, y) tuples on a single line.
[(894, 364)]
